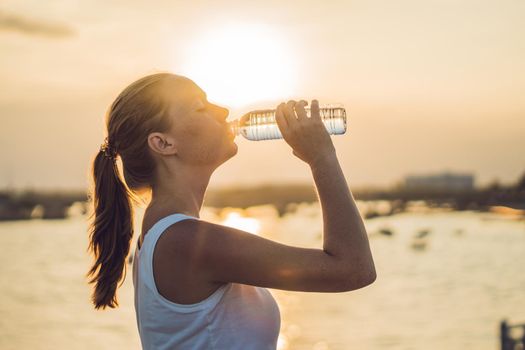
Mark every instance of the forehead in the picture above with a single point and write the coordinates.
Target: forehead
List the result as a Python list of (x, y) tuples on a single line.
[(182, 93), (183, 90)]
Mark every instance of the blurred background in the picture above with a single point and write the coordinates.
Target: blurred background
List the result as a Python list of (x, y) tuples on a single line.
[(433, 153)]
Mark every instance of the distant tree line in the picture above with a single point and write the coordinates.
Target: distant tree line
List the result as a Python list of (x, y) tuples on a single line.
[(15, 205)]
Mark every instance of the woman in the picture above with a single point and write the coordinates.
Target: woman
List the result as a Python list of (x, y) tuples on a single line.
[(200, 285)]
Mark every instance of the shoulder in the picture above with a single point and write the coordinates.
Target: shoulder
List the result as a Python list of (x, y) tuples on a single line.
[(191, 236), (193, 228)]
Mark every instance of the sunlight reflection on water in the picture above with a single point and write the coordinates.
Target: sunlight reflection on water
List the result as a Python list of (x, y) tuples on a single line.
[(451, 294)]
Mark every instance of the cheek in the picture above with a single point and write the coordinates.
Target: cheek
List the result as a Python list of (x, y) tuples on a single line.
[(202, 145)]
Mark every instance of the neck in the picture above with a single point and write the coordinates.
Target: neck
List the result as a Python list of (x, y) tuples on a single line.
[(181, 190)]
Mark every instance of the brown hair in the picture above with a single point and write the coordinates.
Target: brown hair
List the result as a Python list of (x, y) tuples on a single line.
[(135, 113)]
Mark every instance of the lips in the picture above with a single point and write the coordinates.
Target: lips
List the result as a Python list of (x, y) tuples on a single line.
[(229, 131)]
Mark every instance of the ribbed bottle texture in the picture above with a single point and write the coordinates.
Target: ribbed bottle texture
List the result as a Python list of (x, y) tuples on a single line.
[(261, 124)]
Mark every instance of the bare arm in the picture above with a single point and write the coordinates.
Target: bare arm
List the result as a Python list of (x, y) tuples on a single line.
[(345, 236), (223, 254)]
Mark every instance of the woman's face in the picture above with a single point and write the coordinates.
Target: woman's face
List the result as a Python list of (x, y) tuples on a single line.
[(202, 134)]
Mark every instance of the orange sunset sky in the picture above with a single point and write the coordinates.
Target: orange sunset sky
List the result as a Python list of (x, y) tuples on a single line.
[(429, 86)]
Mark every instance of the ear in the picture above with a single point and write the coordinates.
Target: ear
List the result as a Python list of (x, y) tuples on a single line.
[(162, 143)]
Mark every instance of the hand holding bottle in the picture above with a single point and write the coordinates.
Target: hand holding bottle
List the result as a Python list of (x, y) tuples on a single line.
[(307, 136)]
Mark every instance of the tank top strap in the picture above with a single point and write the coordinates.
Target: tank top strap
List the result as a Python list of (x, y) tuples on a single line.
[(145, 253), (160, 226)]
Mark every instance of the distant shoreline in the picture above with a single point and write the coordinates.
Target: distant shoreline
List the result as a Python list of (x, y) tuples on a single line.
[(25, 205)]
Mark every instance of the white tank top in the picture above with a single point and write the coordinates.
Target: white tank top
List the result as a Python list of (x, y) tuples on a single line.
[(235, 316)]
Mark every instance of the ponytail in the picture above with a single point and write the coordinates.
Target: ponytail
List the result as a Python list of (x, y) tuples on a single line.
[(137, 111), (111, 231)]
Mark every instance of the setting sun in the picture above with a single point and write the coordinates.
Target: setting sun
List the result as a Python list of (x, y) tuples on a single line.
[(239, 64)]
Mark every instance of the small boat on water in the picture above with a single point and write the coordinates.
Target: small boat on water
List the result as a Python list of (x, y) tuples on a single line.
[(386, 231), (423, 233), (458, 231), (420, 240), (419, 244)]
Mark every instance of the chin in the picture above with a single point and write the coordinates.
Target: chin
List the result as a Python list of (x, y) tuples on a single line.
[(229, 152), (235, 149)]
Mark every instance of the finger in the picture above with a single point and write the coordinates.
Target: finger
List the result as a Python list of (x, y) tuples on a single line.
[(279, 115), (300, 111), (314, 111), (289, 113), (282, 124)]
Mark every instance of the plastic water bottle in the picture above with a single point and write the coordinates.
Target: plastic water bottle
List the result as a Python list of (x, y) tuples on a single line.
[(261, 124)]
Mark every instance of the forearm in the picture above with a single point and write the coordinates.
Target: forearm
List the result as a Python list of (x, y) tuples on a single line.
[(344, 234)]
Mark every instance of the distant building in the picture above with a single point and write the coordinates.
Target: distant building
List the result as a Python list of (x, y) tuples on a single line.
[(444, 181)]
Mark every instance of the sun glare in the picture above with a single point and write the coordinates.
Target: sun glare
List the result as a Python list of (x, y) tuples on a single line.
[(240, 64), (235, 220)]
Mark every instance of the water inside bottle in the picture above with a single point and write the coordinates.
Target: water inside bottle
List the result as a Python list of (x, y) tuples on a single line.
[(261, 125)]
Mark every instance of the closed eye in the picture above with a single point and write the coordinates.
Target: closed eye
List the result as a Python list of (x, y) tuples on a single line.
[(204, 107)]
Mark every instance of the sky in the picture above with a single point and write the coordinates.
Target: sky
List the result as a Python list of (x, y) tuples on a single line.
[(429, 86)]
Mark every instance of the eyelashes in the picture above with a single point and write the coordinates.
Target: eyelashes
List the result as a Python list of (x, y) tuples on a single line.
[(203, 107)]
